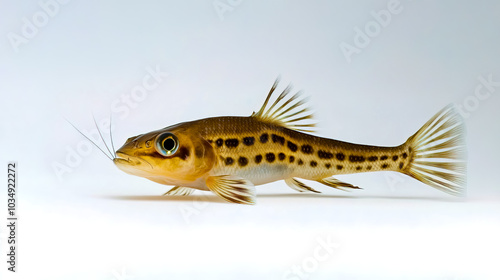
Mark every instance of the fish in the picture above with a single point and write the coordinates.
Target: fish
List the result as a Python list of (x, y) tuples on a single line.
[(230, 155)]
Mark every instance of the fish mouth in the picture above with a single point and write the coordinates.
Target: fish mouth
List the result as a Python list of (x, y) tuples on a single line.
[(123, 159)]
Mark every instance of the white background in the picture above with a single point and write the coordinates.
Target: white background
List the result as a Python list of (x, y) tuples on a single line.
[(96, 222)]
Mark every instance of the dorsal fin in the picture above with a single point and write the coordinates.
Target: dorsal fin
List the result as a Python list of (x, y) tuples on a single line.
[(286, 111)]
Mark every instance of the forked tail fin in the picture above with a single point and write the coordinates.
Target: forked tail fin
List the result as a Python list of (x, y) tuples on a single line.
[(438, 153)]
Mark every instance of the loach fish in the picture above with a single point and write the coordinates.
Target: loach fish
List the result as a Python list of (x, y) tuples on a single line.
[(231, 155)]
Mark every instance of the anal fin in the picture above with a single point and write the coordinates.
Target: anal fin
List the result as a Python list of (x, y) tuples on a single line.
[(232, 189), (299, 186), (182, 191), (334, 183)]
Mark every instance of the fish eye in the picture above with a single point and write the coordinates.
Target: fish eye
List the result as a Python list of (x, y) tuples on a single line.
[(166, 144)]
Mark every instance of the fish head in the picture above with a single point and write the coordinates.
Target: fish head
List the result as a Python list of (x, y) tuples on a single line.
[(174, 155)]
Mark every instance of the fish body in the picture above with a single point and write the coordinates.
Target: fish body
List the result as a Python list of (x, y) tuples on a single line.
[(231, 155)]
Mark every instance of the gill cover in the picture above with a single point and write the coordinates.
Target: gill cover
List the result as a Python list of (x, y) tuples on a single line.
[(174, 155), (182, 155)]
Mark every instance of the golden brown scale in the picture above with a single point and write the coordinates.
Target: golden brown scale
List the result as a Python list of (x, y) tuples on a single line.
[(246, 142)]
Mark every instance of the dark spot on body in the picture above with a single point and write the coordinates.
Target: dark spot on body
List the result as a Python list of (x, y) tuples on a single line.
[(395, 158), (270, 157), (291, 159), (301, 162), (313, 163), (242, 161), (292, 146), (373, 158), (264, 138), (356, 158), (328, 165), (359, 168), (340, 156), (324, 155), (229, 161), (385, 165), (281, 156), (405, 155), (307, 149), (258, 159), (232, 143), (278, 139), (369, 167), (384, 157), (219, 142), (199, 151), (401, 165), (249, 141), (183, 153), (340, 167)]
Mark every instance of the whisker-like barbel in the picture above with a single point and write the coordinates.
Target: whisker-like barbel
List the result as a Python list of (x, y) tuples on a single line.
[(89, 140), (102, 138), (111, 135)]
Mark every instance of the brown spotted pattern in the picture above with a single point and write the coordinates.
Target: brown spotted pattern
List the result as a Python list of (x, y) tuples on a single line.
[(281, 156), (296, 153), (307, 149), (270, 157), (243, 161), (248, 141)]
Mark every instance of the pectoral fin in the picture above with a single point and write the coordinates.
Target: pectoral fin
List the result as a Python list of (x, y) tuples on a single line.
[(334, 183), (182, 191), (232, 189), (299, 186)]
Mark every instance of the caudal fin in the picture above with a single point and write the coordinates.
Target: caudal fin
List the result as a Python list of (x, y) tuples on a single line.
[(438, 153)]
